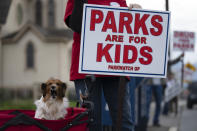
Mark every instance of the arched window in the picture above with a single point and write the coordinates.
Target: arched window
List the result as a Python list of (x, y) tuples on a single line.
[(19, 15), (30, 55), (38, 12), (51, 13)]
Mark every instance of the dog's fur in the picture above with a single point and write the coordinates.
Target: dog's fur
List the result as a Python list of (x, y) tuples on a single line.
[(53, 103)]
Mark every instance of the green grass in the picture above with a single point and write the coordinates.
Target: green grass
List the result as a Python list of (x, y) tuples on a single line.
[(17, 104), (72, 104), (27, 104)]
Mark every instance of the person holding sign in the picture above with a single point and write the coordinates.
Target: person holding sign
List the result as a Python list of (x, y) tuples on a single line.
[(109, 84), (171, 63)]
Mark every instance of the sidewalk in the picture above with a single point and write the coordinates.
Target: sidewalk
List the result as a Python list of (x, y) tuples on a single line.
[(168, 123)]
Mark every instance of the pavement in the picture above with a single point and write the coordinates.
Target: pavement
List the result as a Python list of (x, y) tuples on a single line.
[(188, 119), (171, 122)]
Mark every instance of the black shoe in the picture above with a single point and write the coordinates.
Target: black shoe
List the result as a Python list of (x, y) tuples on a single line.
[(156, 125)]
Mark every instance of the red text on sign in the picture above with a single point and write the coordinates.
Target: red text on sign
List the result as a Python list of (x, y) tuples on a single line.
[(114, 38), (130, 54), (125, 21), (137, 39)]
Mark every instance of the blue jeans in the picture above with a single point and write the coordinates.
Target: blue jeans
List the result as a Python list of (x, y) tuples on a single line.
[(157, 92), (132, 85), (165, 108), (80, 87), (110, 86)]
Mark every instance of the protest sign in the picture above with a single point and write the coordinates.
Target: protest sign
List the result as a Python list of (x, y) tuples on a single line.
[(172, 90), (118, 41), (183, 41)]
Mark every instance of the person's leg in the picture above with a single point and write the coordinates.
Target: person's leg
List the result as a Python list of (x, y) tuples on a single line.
[(166, 104), (127, 123), (165, 108), (176, 105), (132, 86), (158, 100), (110, 89), (148, 100), (95, 90), (80, 88)]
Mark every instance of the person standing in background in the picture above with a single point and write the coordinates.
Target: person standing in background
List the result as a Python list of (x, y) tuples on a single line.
[(170, 63), (154, 87)]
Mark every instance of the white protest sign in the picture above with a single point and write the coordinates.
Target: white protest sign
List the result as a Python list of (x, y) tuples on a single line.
[(189, 70), (172, 90), (183, 41), (118, 41), (188, 75)]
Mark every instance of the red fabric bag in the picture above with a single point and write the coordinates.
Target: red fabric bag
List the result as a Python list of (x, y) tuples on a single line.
[(23, 120)]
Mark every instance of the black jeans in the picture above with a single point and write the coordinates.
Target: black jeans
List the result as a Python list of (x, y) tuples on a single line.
[(110, 86)]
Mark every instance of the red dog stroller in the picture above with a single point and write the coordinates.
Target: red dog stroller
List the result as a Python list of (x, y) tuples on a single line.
[(77, 119)]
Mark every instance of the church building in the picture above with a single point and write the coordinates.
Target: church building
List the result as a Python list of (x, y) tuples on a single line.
[(36, 44)]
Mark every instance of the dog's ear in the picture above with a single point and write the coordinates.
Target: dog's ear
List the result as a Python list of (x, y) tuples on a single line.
[(43, 88), (64, 87)]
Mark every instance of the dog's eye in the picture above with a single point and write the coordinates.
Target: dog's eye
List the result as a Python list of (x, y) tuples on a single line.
[(58, 84)]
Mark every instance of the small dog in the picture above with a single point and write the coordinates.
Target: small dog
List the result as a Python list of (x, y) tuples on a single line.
[(53, 103)]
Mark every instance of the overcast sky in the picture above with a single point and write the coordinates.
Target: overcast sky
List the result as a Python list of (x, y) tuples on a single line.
[(183, 18)]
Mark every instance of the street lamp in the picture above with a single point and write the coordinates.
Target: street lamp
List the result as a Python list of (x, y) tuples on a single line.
[(4, 8)]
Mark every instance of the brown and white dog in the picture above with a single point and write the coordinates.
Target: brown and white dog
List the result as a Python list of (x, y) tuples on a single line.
[(53, 103)]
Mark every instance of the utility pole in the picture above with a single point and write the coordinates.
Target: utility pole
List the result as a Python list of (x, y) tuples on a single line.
[(167, 9), (169, 53), (167, 5)]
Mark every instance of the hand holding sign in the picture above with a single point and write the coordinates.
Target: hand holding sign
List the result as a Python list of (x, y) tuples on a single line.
[(136, 6)]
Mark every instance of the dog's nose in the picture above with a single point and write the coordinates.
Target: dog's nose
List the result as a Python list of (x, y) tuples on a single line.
[(53, 87)]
